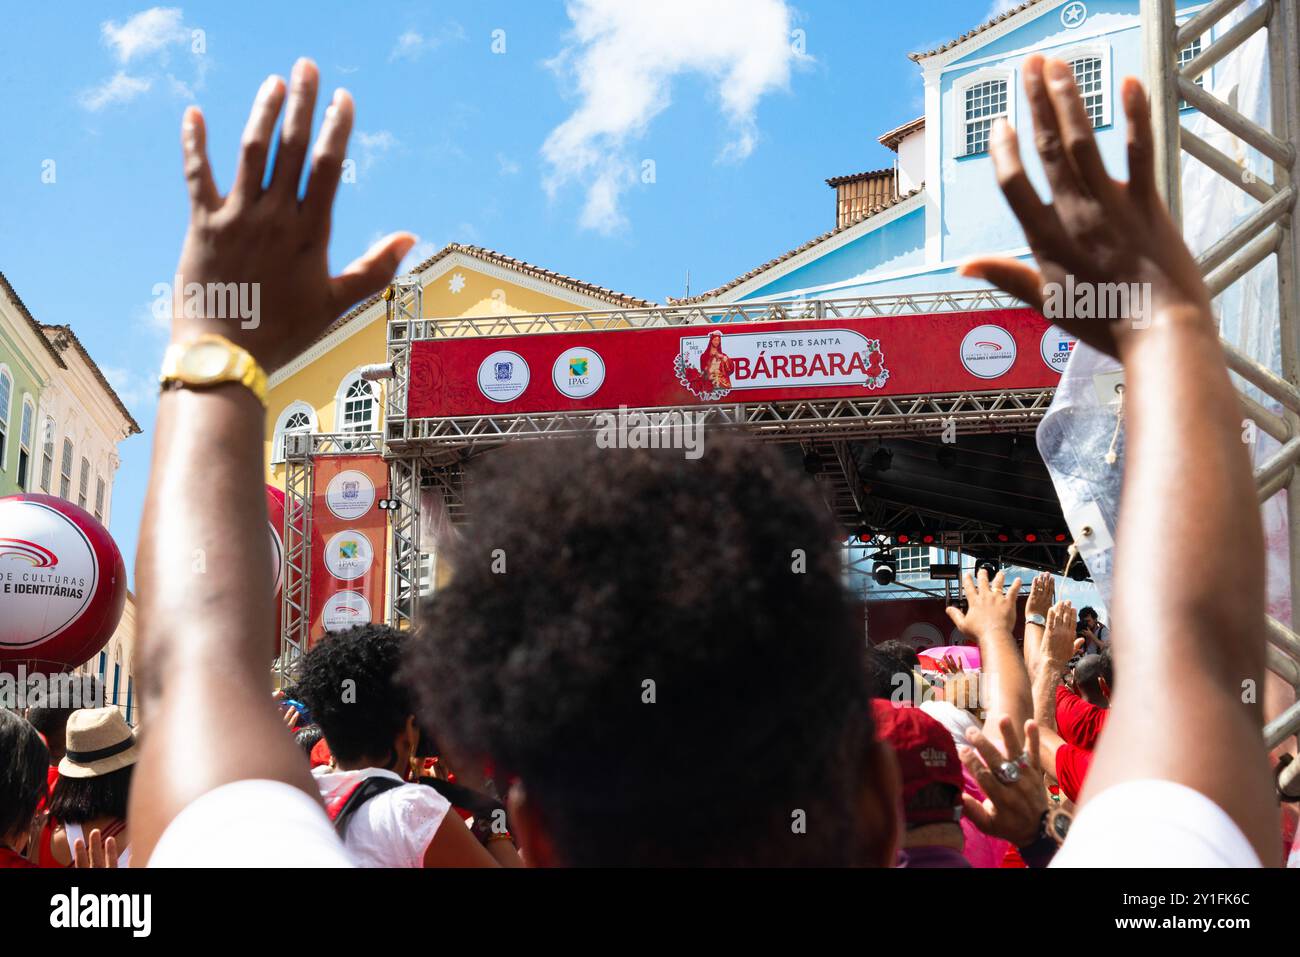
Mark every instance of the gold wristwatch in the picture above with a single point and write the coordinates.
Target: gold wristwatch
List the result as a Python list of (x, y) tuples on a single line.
[(210, 360)]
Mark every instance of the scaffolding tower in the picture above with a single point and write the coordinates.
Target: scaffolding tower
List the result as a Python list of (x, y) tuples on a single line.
[(1269, 230)]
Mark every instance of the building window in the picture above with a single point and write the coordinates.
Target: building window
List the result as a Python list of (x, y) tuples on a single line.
[(913, 563), (83, 486), (1088, 76), (99, 498), (6, 395), (358, 408), (298, 419), (117, 680), (65, 470), (130, 699), (985, 103), (25, 431), (1185, 56), (47, 456)]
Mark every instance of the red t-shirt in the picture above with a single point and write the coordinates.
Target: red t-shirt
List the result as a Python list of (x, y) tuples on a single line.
[(10, 858), (1072, 763), (1079, 722)]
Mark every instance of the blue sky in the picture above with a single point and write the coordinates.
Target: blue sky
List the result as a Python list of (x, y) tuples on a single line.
[(521, 126)]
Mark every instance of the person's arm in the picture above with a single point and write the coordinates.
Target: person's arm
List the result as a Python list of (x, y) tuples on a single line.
[(1191, 651), (990, 618), (205, 601)]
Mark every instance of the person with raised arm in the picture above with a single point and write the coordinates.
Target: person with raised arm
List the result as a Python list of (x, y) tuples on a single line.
[(1181, 776), (218, 779)]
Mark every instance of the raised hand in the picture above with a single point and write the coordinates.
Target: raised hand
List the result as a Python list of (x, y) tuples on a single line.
[(101, 853), (989, 610), (1097, 230), (1042, 592), (1059, 641), (1015, 799), (267, 239)]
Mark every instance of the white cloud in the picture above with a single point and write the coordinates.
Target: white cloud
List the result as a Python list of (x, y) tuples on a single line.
[(147, 40), (147, 32), (413, 44), (136, 389), (506, 166), (622, 60), (116, 90), (370, 147), (1000, 7)]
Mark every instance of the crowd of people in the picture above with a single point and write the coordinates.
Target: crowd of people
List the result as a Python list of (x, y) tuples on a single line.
[(668, 669)]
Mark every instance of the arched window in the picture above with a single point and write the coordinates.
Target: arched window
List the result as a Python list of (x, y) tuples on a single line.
[(6, 398), (99, 498), (65, 470), (25, 430), (83, 485), (47, 456), (297, 419), (357, 406)]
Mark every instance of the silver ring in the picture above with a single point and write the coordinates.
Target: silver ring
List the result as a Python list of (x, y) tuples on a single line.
[(1008, 772), (1022, 762)]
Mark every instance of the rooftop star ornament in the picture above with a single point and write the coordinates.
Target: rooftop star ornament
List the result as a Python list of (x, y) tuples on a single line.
[(457, 283), (1073, 14)]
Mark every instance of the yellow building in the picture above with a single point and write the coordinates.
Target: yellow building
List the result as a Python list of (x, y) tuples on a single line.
[(320, 390)]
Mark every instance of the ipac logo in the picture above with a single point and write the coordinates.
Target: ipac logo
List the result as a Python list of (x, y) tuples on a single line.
[(348, 555), (988, 351), (503, 376), (578, 372), (1056, 347)]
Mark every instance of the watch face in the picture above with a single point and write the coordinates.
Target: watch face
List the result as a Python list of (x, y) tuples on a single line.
[(204, 361), (1060, 825)]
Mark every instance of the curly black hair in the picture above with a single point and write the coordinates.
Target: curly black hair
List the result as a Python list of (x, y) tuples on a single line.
[(22, 773), (661, 650), (348, 681)]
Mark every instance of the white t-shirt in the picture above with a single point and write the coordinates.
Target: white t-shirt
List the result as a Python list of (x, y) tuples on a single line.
[(393, 828), (254, 823), (1154, 824)]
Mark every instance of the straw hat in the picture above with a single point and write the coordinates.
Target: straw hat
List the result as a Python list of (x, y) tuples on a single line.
[(99, 742)]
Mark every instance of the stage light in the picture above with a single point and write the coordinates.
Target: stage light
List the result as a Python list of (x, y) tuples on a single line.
[(884, 572), (902, 539), (1003, 537), (927, 539), (882, 459), (1031, 537), (988, 565), (1060, 537)]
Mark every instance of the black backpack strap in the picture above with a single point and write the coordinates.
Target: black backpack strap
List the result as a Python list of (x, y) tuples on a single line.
[(363, 792)]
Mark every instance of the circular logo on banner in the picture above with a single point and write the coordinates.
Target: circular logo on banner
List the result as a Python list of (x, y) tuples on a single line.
[(343, 609), (348, 555), (1056, 347), (503, 376), (988, 351), (48, 573), (578, 372), (350, 494)]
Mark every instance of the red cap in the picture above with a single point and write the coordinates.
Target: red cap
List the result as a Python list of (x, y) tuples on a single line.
[(926, 755)]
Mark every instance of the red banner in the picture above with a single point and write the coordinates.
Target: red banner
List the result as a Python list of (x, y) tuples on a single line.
[(349, 538), (736, 362)]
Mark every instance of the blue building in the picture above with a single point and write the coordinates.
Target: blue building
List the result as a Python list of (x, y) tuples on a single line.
[(907, 226)]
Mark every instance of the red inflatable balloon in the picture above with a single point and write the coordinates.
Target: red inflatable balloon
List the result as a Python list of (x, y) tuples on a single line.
[(275, 515), (62, 584)]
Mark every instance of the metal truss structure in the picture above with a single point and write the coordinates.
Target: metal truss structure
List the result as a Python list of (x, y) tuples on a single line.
[(300, 453), (1269, 230)]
